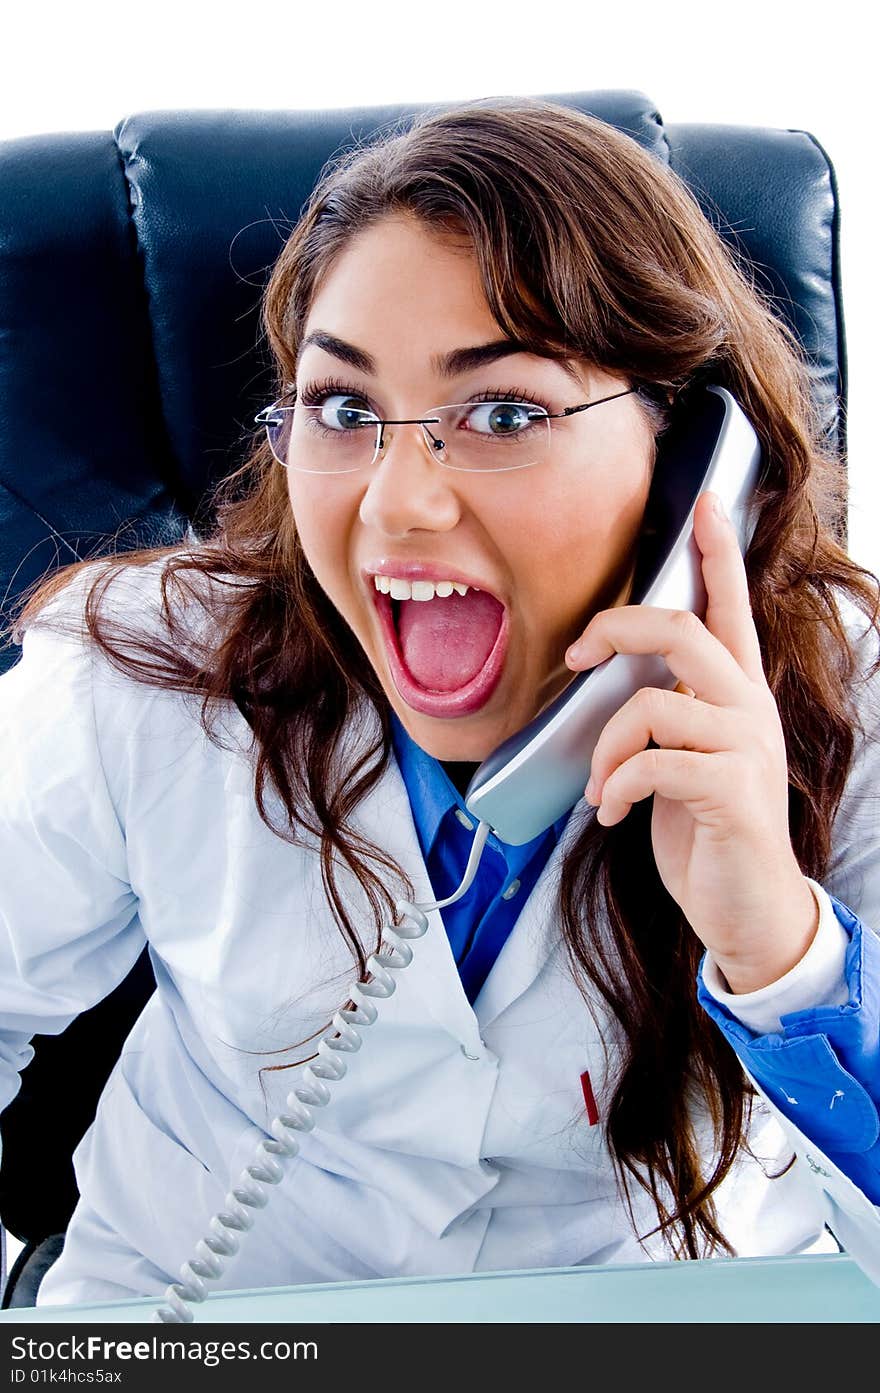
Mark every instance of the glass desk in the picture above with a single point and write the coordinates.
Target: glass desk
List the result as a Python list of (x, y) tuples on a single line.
[(825, 1287)]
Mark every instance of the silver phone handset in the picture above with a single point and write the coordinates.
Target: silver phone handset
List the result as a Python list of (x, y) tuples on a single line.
[(536, 775)]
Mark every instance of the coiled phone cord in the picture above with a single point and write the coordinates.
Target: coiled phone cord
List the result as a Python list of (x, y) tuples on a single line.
[(267, 1167)]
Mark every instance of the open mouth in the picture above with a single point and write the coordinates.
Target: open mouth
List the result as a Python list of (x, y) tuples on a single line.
[(446, 655)]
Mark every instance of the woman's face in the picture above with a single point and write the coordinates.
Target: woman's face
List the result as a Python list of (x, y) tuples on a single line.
[(553, 543)]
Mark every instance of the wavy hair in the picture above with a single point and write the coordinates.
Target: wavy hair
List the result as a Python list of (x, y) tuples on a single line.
[(587, 246)]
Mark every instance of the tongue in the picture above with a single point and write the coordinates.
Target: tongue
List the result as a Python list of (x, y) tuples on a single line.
[(446, 641)]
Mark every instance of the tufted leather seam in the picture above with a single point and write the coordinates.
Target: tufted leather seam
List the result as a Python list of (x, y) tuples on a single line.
[(842, 360), (162, 449), (25, 503)]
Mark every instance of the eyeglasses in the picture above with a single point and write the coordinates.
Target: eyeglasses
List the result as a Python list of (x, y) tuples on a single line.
[(335, 438)]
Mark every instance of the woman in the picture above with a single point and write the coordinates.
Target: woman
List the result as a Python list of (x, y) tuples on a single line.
[(556, 1080)]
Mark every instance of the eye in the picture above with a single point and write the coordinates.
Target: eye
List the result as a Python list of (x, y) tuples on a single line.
[(504, 417), (342, 408), (341, 412)]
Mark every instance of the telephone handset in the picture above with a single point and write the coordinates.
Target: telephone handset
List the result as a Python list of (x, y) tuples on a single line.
[(522, 788), (535, 775)]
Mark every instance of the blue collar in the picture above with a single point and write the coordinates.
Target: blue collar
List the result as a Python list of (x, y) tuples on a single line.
[(432, 795)]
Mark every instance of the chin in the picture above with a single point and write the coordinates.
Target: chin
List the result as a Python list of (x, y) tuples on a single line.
[(450, 742)]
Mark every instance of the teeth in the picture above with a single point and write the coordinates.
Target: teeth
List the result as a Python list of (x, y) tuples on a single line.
[(418, 589)]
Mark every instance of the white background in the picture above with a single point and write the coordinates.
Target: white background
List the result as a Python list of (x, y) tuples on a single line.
[(760, 64)]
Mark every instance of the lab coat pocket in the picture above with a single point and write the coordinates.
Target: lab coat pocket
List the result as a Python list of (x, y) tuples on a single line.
[(553, 1090)]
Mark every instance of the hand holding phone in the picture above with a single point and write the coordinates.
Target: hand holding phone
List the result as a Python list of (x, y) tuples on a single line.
[(719, 778)]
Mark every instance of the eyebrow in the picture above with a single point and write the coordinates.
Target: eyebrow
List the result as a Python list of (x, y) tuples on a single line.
[(446, 365)]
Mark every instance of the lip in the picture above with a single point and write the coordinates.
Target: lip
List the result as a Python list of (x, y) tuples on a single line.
[(443, 705)]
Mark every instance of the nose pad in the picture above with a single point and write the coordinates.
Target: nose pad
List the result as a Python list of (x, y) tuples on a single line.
[(434, 443), (434, 436)]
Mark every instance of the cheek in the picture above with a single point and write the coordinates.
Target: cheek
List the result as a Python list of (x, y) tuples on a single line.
[(583, 538), (320, 520), (579, 524)]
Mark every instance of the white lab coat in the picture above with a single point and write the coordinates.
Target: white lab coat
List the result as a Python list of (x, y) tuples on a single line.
[(457, 1141)]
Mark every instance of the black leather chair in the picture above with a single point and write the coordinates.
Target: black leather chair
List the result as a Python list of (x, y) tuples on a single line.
[(131, 268)]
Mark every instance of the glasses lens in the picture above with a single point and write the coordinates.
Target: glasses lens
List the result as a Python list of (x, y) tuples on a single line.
[(487, 435), (326, 439)]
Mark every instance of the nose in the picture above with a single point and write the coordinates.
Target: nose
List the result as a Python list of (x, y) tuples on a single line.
[(405, 487)]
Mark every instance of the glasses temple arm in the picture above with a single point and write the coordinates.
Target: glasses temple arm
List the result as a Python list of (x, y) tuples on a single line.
[(585, 406)]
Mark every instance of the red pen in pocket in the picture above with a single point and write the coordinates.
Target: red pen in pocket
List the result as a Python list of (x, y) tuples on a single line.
[(589, 1099)]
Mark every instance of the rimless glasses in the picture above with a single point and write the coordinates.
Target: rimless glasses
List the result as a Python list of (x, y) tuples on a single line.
[(334, 437)]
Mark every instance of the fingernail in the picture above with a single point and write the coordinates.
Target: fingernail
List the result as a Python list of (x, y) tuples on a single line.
[(590, 791), (575, 652), (718, 507)]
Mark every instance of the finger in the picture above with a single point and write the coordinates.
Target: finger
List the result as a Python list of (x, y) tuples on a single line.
[(672, 720), (728, 612), (696, 779), (696, 657)]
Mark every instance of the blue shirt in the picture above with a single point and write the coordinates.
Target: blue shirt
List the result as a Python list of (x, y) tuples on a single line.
[(823, 1069), (480, 922), (827, 1057)]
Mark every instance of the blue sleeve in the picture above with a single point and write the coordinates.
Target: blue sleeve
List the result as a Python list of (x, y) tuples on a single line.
[(823, 1069)]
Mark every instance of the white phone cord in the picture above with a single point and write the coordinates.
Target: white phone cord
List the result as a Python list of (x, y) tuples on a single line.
[(267, 1167)]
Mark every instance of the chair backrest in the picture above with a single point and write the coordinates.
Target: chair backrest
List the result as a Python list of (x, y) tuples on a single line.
[(132, 264)]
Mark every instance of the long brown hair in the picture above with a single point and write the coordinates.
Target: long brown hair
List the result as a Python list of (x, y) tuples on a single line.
[(588, 247)]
